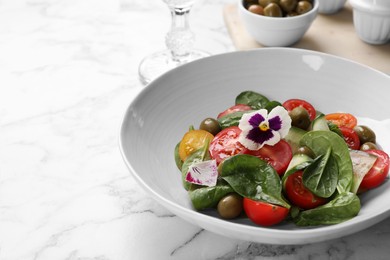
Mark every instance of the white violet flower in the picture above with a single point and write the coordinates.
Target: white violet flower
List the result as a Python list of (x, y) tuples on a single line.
[(260, 127)]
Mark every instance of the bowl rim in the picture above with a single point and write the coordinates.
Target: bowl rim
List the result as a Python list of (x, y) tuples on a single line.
[(369, 8), (313, 11), (201, 219)]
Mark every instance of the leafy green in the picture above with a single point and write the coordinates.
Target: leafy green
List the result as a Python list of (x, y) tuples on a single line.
[(208, 197), (321, 176), (253, 178), (178, 161), (343, 207), (232, 119), (252, 99), (271, 105), (319, 142)]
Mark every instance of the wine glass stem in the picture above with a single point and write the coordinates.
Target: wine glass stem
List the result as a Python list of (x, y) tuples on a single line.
[(180, 40)]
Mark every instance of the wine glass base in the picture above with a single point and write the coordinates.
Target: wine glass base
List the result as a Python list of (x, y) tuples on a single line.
[(158, 63)]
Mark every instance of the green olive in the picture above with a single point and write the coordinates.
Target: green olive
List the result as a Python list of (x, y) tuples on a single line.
[(288, 5), (291, 14), (306, 151), (264, 3), (300, 118), (256, 9), (248, 3), (273, 10), (210, 125), (368, 146), (303, 7), (365, 134), (230, 206)]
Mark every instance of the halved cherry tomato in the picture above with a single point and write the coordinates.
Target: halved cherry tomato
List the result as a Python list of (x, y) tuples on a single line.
[(350, 137), (278, 155), (225, 144), (293, 103), (342, 119), (235, 108), (263, 213), (299, 195), (378, 173), (192, 141)]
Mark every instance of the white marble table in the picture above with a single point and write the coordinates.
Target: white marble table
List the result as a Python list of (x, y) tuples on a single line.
[(68, 71)]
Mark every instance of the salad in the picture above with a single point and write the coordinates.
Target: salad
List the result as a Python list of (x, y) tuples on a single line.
[(274, 162)]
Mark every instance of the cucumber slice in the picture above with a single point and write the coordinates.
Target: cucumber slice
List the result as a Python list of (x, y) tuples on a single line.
[(320, 123), (293, 137), (362, 162), (298, 162)]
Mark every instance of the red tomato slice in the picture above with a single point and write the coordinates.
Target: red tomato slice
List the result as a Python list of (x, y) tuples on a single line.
[(235, 108), (299, 195), (378, 173), (342, 119), (225, 144), (263, 213), (350, 137), (293, 103), (278, 155)]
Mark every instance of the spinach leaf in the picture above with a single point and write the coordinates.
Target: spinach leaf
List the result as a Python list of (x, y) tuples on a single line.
[(178, 161), (321, 176), (319, 142), (271, 105), (253, 178), (208, 197), (232, 119), (343, 207), (252, 99), (198, 156)]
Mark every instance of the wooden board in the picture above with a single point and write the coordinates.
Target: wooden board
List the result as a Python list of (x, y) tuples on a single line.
[(333, 34)]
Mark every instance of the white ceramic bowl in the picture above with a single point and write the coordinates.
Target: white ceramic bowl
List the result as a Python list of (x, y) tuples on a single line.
[(276, 31), (159, 116), (371, 19), (330, 6)]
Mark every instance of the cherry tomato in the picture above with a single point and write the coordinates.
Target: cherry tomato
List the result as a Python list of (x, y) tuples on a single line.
[(278, 155), (350, 137), (226, 144), (293, 103), (299, 195), (263, 213), (342, 119), (192, 141), (235, 108), (378, 173)]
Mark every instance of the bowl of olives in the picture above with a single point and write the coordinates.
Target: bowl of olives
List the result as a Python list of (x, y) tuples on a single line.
[(277, 23)]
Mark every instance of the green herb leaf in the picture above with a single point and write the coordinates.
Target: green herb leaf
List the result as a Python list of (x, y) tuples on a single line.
[(178, 161), (252, 99), (343, 207), (253, 178), (319, 142), (231, 119), (321, 176), (208, 197)]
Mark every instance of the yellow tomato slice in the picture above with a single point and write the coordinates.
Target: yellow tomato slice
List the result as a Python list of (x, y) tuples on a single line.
[(192, 141)]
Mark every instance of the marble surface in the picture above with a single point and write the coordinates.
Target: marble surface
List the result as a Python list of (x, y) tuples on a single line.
[(68, 71)]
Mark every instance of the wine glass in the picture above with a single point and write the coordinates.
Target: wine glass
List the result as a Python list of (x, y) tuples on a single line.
[(179, 41)]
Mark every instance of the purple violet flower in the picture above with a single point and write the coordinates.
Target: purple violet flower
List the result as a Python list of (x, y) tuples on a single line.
[(260, 127)]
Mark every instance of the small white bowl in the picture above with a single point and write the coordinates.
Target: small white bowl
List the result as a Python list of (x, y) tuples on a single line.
[(371, 19), (277, 31), (330, 6)]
